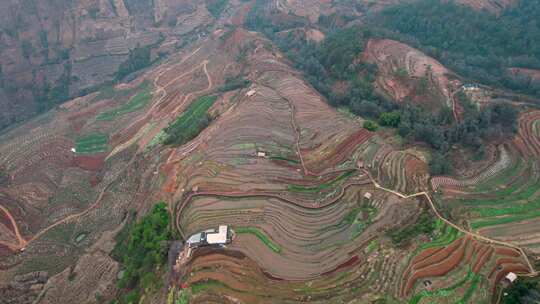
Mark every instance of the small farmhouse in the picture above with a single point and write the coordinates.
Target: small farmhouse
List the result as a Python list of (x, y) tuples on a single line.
[(221, 236)]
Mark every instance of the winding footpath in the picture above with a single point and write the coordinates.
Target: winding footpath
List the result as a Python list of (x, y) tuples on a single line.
[(20, 239), (23, 243), (532, 271)]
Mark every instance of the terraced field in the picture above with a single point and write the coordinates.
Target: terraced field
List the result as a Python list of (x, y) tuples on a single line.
[(92, 143), (503, 201), (309, 194), (137, 102)]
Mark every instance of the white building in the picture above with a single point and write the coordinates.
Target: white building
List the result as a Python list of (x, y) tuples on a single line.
[(511, 277), (208, 237)]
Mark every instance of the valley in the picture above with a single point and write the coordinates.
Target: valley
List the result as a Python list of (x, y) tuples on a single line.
[(348, 165)]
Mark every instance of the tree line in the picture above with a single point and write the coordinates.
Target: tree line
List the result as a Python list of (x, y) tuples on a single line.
[(333, 68)]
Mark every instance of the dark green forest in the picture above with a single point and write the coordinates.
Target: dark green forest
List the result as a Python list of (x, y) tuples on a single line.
[(138, 59), (478, 45)]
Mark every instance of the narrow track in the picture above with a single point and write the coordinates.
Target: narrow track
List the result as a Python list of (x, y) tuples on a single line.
[(20, 239), (532, 271)]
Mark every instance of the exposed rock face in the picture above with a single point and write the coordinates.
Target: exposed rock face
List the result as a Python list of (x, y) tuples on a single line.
[(54, 50)]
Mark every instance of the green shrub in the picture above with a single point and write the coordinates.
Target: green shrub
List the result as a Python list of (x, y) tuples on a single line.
[(424, 225), (370, 125)]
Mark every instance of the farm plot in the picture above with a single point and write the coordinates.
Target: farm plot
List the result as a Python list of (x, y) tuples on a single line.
[(503, 213), (285, 239), (92, 143), (136, 103), (455, 267), (281, 168), (503, 201), (191, 122)]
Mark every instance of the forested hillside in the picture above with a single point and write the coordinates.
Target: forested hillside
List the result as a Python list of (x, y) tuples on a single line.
[(476, 44), (334, 68)]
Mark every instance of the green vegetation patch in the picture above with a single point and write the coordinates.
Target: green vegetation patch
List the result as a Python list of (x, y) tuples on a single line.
[(191, 122), (261, 236), (292, 161), (521, 290), (141, 248), (425, 224), (370, 125), (234, 83), (321, 186), (448, 236), (505, 220), (93, 143), (516, 209), (109, 92), (139, 58), (136, 103)]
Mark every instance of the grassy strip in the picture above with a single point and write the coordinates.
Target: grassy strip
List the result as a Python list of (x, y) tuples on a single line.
[(470, 291), (109, 92), (372, 246), (293, 161), (505, 220), (518, 209), (511, 193), (322, 186), (136, 103), (93, 143), (191, 122), (261, 236), (202, 286)]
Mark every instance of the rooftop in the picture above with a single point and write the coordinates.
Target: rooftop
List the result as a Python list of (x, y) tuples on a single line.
[(219, 237)]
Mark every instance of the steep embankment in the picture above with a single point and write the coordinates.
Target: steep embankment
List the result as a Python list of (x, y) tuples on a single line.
[(406, 73)]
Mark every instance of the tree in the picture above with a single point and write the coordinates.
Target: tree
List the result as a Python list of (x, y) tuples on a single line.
[(390, 119), (440, 164), (27, 49)]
